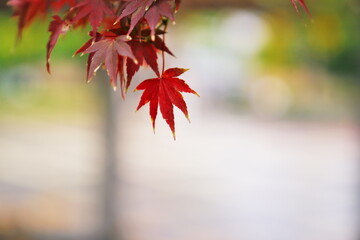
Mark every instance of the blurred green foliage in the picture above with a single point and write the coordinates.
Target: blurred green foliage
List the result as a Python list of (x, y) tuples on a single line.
[(25, 87), (330, 40), (27, 90), (33, 44)]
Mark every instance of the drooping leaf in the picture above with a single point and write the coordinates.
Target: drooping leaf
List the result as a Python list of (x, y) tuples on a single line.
[(57, 27), (157, 10), (86, 45), (137, 9), (164, 92), (145, 54), (107, 51), (94, 10), (160, 44)]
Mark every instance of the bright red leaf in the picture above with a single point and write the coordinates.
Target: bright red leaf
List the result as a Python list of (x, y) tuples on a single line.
[(165, 92)]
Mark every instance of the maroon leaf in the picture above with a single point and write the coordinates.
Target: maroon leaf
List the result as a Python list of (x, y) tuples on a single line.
[(94, 10), (57, 5), (137, 9), (159, 44), (145, 54), (157, 10), (107, 51), (86, 46), (57, 27)]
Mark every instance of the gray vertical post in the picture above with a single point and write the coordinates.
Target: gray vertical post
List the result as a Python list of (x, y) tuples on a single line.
[(108, 197)]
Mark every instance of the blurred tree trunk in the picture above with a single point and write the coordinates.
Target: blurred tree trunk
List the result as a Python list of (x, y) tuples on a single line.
[(108, 200)]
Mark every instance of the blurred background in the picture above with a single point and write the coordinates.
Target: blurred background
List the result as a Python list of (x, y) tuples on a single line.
[(272, 152)]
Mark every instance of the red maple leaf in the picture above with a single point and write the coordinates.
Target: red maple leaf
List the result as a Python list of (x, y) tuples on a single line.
[(157, 10), (135, 8), (57, 27), (303, 4), (107, 51), (94, 10), (164, 92), (86, 45)]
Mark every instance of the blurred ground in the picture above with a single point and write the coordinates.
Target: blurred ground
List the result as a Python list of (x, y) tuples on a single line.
[(301, 184), (214, 182)]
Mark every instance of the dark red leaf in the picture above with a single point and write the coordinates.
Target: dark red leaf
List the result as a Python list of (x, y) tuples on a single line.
[(86, 45), (145, 54), (165, 92), (131, 69), (107, 51), (57, 27), (159, 44), (137, 9), (57, 5), (157, 10), (94, 10)]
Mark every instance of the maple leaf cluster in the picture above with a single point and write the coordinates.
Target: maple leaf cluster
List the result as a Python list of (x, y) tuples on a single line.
[(125, 35)]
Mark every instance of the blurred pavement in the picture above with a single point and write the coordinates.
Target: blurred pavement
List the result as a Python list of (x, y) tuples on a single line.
[(226, 177)]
